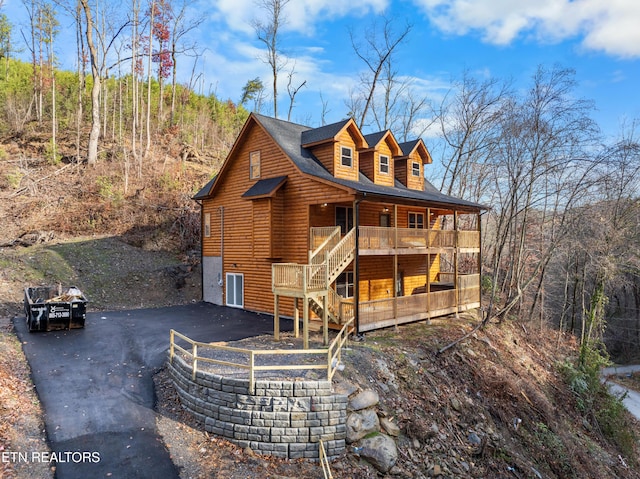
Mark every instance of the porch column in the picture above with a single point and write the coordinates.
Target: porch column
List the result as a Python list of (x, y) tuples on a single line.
[(325, 321), (479, 269), (455, 263), (276, 317), (356, 266), (395, 263), (305, 322), (296, 318), (428, 282)]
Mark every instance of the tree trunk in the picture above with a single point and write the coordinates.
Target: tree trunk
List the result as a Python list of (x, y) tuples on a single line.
[(92, 153)]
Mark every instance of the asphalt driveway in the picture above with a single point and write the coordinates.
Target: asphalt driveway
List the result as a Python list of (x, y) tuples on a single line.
[(96, 384)]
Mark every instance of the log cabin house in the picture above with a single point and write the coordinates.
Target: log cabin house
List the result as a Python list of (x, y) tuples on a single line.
[(337, 224)]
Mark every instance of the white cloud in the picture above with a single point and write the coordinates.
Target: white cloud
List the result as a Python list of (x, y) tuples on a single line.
[(610, 26), (301, 15)]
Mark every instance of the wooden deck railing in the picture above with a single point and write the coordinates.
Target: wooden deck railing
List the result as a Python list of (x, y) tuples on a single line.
[(383, 312), (378, 238), (299, 277), (331, 356), (468, 239), (375, 237)]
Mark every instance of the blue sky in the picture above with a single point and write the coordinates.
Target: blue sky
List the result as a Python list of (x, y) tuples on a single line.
[(505, 39)]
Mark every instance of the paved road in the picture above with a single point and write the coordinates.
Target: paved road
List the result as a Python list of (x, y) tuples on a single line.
[(96, 385), (632, 399)]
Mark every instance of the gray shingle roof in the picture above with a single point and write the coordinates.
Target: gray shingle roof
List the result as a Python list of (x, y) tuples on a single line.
[(373, 139), (289, 137), (265, 187), (204, 191), (326, 132), (408, 146)]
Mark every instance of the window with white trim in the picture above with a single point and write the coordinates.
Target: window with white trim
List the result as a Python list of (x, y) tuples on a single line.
[(235, 290), (346, 156), (415, 168), (344, 284), (254, 165), (384, 164)]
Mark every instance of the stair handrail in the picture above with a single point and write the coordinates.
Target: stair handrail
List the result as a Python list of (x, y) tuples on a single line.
[(336, 257), (317, 256)]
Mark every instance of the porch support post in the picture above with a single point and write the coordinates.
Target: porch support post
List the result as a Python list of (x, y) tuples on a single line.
[(455, 263), (325, 321), (428, 283), (356, 266), (305, 322), (276, 317), (480, 260), (296, 318), (395, 264)]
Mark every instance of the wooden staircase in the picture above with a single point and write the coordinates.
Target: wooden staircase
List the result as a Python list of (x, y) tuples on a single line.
[(313, 281)]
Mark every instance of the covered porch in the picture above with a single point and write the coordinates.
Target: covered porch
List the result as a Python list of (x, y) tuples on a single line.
[(397, 263)]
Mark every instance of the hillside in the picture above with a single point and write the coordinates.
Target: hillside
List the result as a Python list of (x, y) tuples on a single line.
[(506, 402)]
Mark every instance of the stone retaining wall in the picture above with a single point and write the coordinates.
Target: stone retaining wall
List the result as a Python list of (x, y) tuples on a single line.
[(281, 418)]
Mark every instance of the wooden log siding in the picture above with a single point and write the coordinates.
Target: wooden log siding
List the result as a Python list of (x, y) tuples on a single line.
[(370, 165), (370, 213), (211, 245), (289, 208), (376, 277), (400, 171), (414, 271), (325, 154), (346, 173)]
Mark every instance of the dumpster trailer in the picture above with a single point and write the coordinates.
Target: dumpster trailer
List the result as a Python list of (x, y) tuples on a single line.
[(49, 308)]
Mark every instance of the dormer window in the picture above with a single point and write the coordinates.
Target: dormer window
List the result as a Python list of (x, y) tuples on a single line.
[(415, 168), (254, 165), (384, 164), (346, 155)]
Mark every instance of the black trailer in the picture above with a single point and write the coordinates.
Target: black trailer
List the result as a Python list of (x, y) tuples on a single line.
[(49, 308)]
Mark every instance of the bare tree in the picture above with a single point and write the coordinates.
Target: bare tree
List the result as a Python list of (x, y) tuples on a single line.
[(540, 168), (469, 120), (181, 26), (268, 33), (98, 51), (152, 13), (94, 135), (292, 91), (376, 52)]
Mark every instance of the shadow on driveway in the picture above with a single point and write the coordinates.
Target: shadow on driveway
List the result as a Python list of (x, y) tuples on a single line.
[(96, 384)]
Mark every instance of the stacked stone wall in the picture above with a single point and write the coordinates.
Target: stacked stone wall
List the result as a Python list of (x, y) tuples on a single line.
[(279, 418)]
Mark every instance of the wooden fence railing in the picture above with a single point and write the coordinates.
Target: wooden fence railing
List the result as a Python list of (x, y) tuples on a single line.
[(324, 461), (332, 356)]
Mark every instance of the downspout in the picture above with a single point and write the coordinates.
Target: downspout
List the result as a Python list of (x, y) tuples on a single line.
[(201, 249), (356, 286), (221, 280)]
